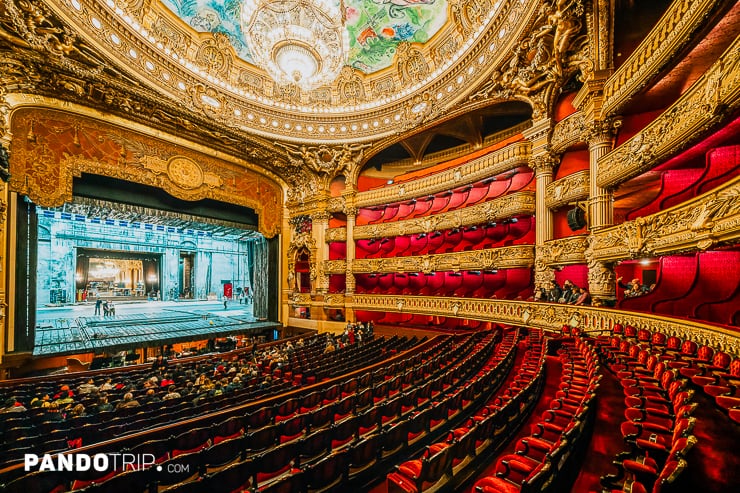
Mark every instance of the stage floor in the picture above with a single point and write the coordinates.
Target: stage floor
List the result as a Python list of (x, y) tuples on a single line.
[(75, 329)]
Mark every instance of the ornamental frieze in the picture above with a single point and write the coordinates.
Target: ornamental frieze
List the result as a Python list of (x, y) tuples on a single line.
[(550, 316), (488, 259), (508, 158), (568, 132), (335, 266), (563, 251), (704, 222), (567, 190), (336, 234), (504, 207), (334, 301), (52, 147), (712, 97), (660, 48)]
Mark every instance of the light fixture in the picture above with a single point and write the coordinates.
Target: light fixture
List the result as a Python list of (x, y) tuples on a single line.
[(300, 42)]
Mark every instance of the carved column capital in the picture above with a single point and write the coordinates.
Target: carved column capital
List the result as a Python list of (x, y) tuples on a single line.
[(544, 163), (601, 277), (601, 132)]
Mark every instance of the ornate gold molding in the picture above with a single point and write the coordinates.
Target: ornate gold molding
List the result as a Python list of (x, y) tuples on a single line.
[(661, 46), (488, 259), (335, 266), (549, 316), (501, 208), (704, 222), (334, 301), (568, 132), (510, 157), (711, 98), (568, 189), (563, 251), (51, 147), (336, 234)]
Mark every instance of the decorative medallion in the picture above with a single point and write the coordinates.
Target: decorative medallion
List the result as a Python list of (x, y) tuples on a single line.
[(184, 172)]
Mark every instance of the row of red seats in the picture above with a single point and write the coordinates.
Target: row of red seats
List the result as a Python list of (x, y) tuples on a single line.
[(715, 372), (296, 421), (518, 230), (539, 459), (503, 283), (439, 462), (679, 185), (442, 202), (703, 286), (658, 420)]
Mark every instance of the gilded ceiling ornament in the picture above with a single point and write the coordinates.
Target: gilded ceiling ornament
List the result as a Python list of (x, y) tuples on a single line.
[(325, 159), (469, 14), (411, 66), (350, 86), (214, 55)]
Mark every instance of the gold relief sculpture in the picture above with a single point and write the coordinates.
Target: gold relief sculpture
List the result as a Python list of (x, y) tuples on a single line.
[(469, 14), (567, 190), (334, 300), (325, 159), (350, 86), (567, 132), (500, 208), (549, 316), (661, 46), (715, 94), (563, 251), (544, 274), (706, 221), (411, 65), (510, 157), (335, 266), (488, 259), (336, 234), (215, 55)]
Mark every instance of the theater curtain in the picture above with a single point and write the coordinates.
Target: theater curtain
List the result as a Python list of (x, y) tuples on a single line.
[(260, 277)]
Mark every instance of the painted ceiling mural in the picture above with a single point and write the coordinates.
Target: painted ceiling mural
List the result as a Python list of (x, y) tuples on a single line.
[(375, 27)]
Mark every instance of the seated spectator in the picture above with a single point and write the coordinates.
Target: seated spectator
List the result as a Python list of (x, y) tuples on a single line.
[(632, 289), (151, 396), (88, 387), (160, 363), (128, 401), (171, 393), (12, 406), (584, 298), (103, 404), (554, 294), (107, 385), (76, 411), (166, 381), (54, 413), (64, 392)]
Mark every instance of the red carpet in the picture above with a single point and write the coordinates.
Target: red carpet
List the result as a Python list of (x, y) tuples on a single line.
[(606, 440)]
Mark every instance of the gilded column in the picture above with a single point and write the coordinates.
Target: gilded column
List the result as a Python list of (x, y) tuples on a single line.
[(601, 200), (350, 282), (320, 225), (351, 211), (543, 166)]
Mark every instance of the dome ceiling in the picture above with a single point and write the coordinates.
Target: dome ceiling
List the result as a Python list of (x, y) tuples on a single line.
[(393, 85), (375, 27)]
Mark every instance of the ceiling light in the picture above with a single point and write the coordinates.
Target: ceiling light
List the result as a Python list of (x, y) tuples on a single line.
[(300, 42)]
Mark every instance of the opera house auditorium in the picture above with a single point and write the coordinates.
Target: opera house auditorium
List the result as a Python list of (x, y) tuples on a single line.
[(385, 246)]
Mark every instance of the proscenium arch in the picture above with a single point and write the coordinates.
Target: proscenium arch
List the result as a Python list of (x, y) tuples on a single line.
[(50, 147)]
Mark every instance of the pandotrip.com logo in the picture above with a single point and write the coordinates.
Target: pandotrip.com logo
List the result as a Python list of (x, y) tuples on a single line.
[(81, 462)]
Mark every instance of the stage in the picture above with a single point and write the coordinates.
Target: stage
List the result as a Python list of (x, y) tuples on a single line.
[(75, 329)]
